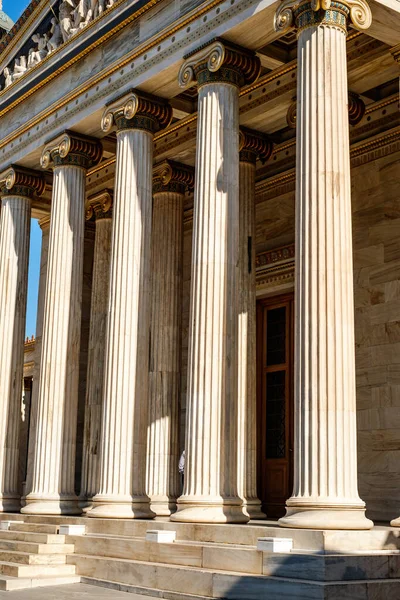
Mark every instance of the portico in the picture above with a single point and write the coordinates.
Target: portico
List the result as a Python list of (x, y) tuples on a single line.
[(200, 151)]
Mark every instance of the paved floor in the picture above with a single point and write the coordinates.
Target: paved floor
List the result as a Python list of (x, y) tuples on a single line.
[(76, 591)]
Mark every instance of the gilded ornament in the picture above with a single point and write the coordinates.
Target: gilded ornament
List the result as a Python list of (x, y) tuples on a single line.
[(137, 110), (303, 14), (73, 149), (170, 176), (21, 181)]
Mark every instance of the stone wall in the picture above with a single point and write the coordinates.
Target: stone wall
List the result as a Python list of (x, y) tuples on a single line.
[(376, 234)]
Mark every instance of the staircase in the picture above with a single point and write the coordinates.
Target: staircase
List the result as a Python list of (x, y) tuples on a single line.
[(33, 555), (204, 563)]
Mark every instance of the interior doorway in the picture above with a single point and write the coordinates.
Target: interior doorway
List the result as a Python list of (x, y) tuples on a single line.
[(275, 335)]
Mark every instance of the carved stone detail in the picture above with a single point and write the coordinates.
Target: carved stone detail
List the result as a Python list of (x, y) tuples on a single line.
[(253, 145), (99, 205), (20, 181), (136, 110), (303, 14), (220, 61), (356, 108), (72, 148), (170, 176)]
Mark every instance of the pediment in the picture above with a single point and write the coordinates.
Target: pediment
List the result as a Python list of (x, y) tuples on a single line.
[(47, 36)]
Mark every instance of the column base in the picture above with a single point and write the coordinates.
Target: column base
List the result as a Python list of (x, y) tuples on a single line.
[(162, 506), (395, 522), (85, 504), (11, 504), (195, 511), (51, 506), (325, 517), (253, 509), (110, 508)]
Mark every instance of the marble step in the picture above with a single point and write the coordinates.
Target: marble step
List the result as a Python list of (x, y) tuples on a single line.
[(8, 583), (179, 553), (38, 538), (34, 571), (186, 583), (14, 545), (34, 527), (26, 558)]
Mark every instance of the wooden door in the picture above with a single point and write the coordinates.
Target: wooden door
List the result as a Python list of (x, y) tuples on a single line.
[(275, 402)]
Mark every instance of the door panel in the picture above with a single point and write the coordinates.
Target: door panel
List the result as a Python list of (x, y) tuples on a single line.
[(275, 402)]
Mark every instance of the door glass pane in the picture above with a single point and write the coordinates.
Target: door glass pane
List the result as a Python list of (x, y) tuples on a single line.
[(276, 336), (275, 415)]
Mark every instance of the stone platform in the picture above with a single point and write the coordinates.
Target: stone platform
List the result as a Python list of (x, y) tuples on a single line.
[(222, 561)]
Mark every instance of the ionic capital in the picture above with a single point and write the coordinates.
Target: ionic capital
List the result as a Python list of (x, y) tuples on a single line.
[(137, 110), (253, 145), (22, 182), (71, 148), (302, 14), (99, 205), (356, 110), (170, 176), (220, 61), (44, 222)]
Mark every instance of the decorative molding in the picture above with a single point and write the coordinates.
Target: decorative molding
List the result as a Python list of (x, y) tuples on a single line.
[(138, 111), (303, 14), (20, 181), (29, 344), (99, 205), (170, 176), (396, 53), (253, 145), (220, 61), (71, 148), (275, 267), (356, 108)]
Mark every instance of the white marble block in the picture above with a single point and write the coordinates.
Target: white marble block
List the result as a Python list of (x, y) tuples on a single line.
[(72, 529), (5, 525), (270, 544), (162, 536)]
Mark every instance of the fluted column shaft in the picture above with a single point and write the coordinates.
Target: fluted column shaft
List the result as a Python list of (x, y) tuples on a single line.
[(124, 423), (54, 464), (210, 491), (96, 358), (247, 430), (14, 257), (165, 352), (44, 223), (325, 462)]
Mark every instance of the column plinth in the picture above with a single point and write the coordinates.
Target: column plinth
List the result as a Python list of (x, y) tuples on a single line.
[(54, 463), (252, 145), (211, 476), (170, 181), (98, 207), (122, 491), (17, 187), (325, 494)]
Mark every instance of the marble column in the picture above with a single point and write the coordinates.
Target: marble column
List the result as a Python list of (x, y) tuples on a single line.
[(252, 145), (325, 494), (122, 491), (44, 224), (99, 208), (17, 186), (70, 155), (211, 477), (170, 181)]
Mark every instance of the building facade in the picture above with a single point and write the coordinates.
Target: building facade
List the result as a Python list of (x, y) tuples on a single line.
[(217, 188)]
